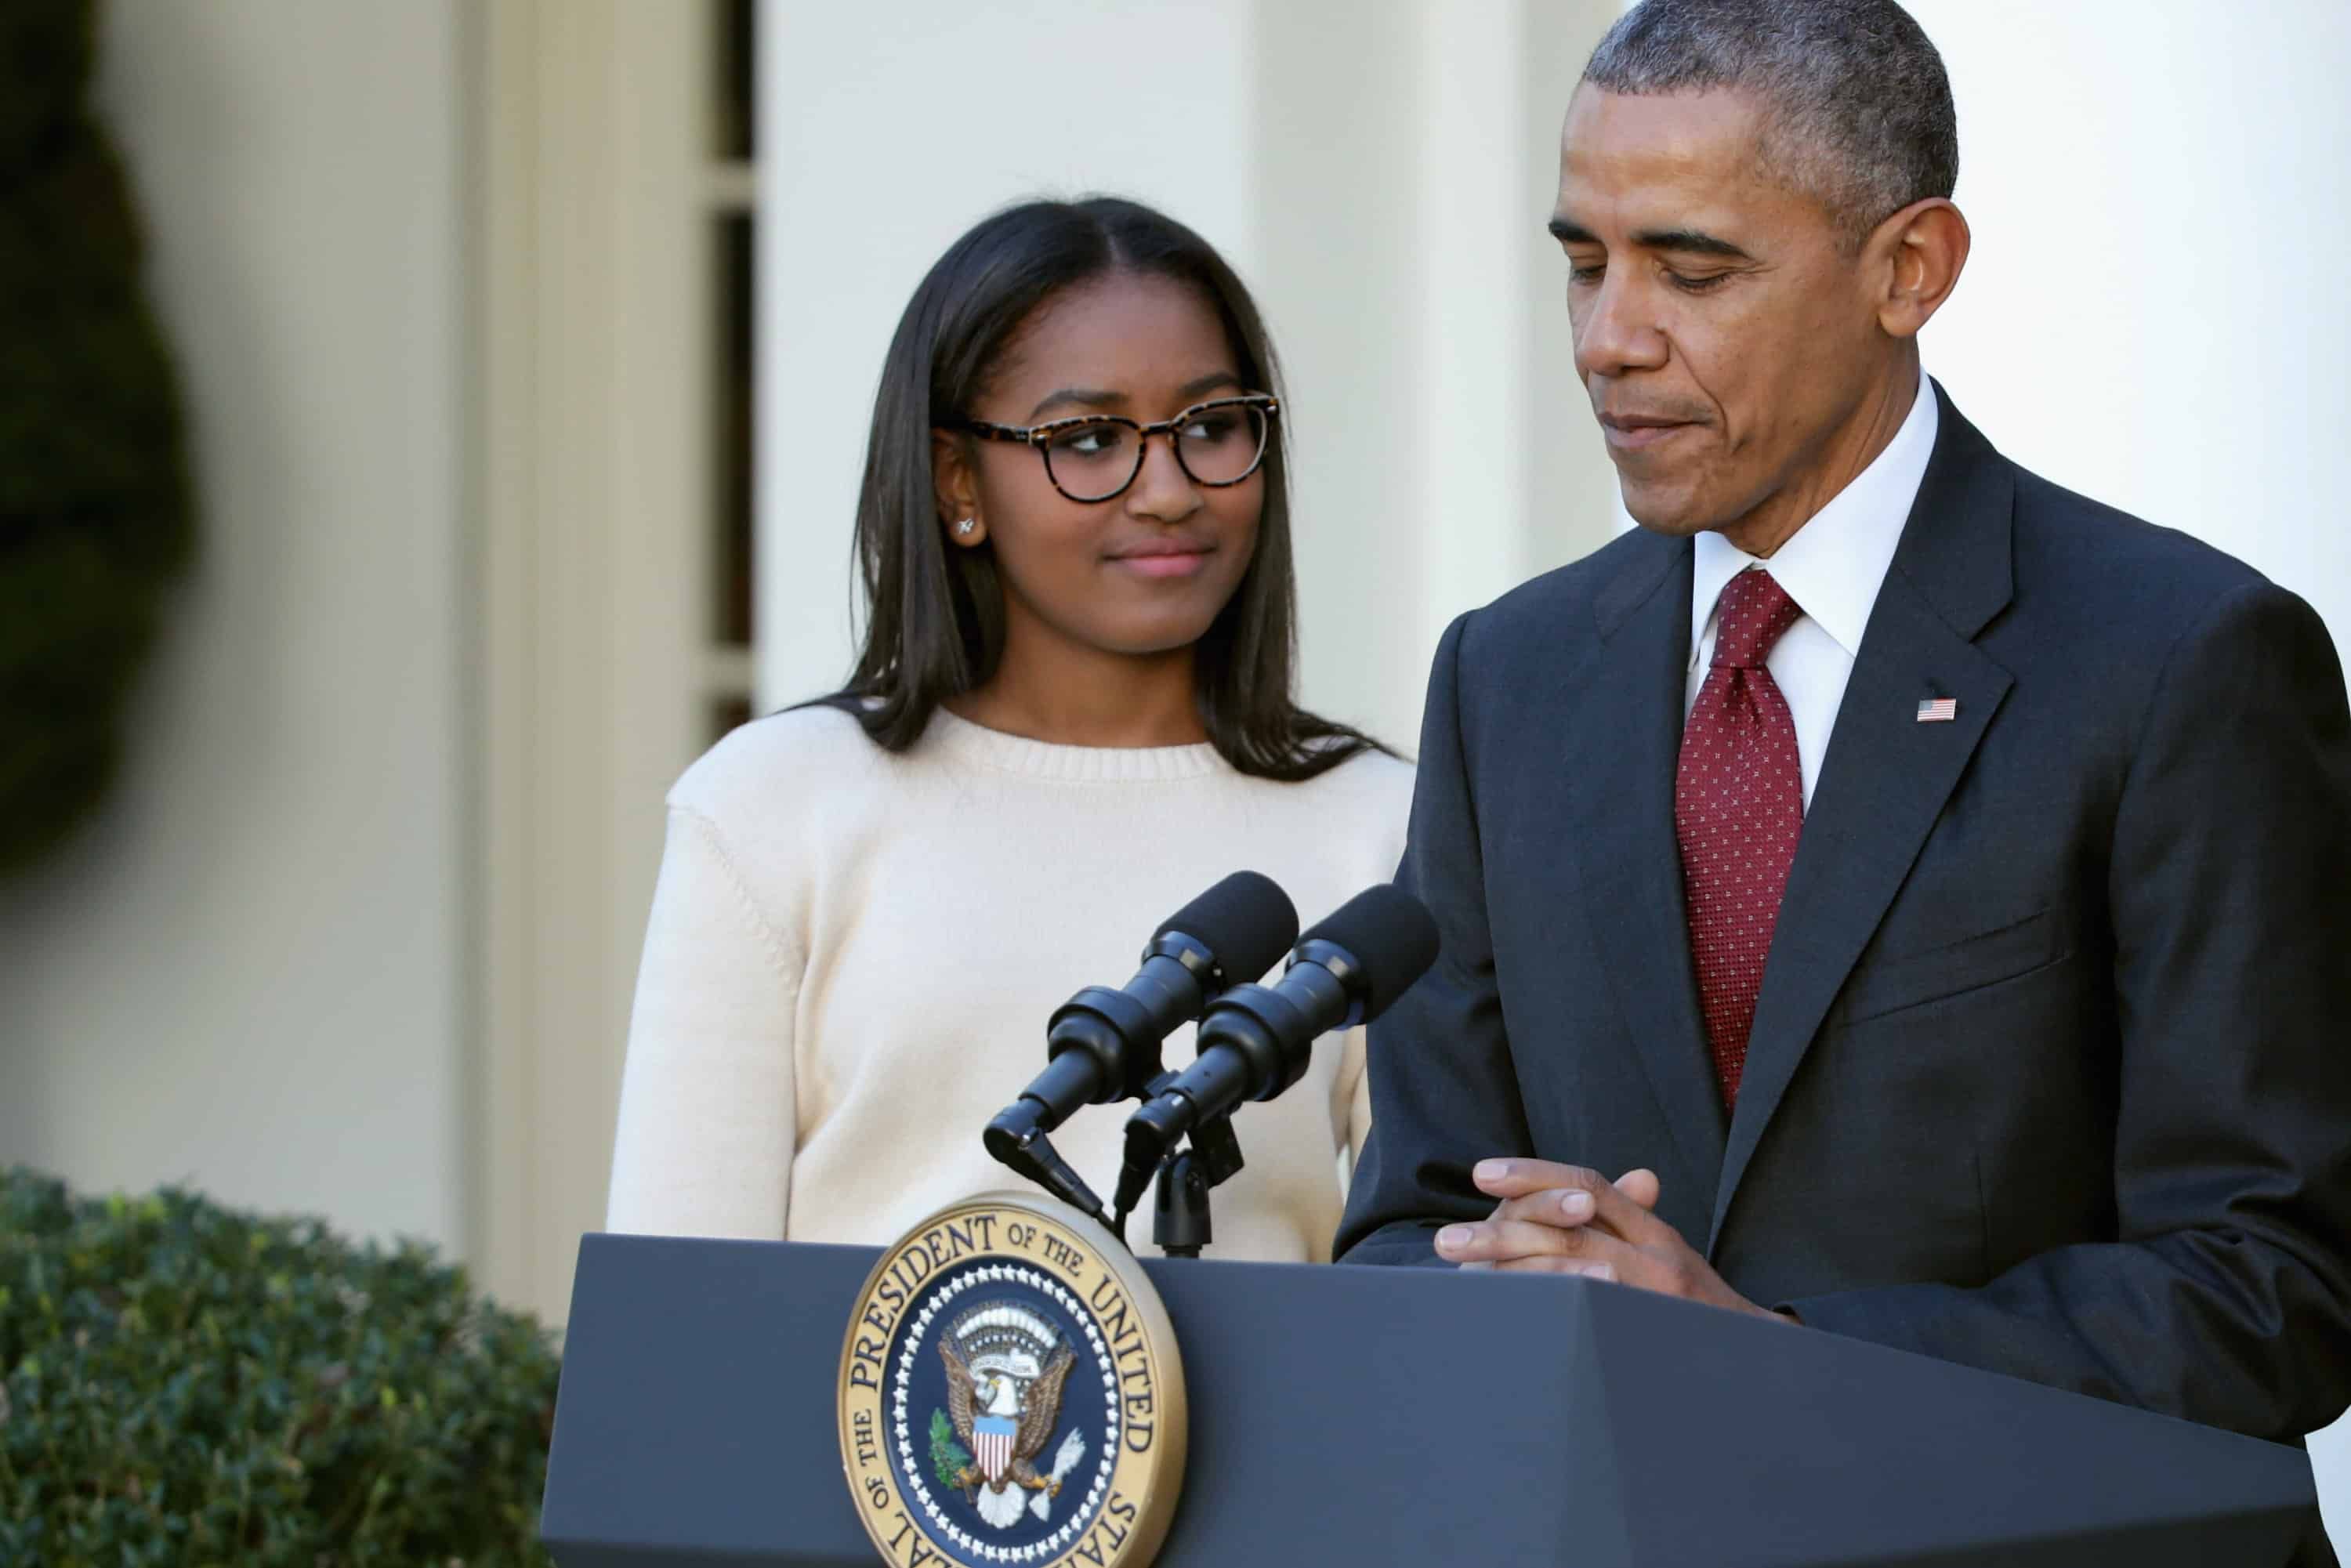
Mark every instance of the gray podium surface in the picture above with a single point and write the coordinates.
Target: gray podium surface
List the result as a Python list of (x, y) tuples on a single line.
[(1389, 1416)]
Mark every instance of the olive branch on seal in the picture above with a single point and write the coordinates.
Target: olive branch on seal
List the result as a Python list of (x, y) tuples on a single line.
[(948, 1458)]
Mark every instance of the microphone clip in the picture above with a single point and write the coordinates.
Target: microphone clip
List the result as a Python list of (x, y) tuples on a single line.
[(1181, 1171), (1017, 1142), (1180, 1224)]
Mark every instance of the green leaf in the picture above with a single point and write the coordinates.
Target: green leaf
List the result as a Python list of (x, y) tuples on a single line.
[(948, 1457)]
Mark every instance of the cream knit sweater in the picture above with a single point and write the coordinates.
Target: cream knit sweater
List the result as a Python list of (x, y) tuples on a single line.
[(852, 957)]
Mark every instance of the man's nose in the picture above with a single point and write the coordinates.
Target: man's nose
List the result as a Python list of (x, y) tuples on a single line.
[(1615, 335)]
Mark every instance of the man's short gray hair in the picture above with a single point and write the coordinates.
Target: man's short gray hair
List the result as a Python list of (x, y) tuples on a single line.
[(1859, 109)]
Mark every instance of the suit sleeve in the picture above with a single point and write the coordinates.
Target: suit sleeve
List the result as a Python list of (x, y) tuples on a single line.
[(2226, 1297), (1443, 1092)]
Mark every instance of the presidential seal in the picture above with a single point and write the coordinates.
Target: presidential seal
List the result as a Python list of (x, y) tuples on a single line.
[(1010, 1393)]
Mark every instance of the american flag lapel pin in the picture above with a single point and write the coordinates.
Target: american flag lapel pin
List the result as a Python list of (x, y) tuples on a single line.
[(1937, 710)]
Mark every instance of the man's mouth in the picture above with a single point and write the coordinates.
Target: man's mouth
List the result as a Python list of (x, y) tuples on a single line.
[(1639, 432)]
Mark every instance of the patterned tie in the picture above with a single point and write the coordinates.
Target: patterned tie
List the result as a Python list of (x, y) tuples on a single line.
[(1738, 807)]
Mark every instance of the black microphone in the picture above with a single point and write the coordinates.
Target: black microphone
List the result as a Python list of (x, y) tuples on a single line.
[(1103, 1044), (1256, 1041)]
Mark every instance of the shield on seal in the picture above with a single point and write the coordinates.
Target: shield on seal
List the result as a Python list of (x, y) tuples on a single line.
[(993, 1437)]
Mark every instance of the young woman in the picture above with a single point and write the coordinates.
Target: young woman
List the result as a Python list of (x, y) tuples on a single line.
[(1071, 715)]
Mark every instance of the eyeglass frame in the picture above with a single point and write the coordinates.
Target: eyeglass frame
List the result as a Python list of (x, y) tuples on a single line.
[(1038, 436)]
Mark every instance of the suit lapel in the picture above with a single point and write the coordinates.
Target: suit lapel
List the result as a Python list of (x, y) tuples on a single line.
[(1631, 859), (1886, 776)]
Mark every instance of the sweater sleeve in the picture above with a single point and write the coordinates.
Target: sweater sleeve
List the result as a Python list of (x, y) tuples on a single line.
[(1350, 1106), (708, 1122), (1351, 1098)]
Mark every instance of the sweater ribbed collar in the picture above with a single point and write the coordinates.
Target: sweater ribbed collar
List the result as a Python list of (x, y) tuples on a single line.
[(960, 740)]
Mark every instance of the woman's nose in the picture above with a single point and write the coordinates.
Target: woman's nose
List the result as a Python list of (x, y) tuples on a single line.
[(1163, 490)]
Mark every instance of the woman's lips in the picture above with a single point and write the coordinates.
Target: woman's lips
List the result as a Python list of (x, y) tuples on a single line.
[(1164, 563)]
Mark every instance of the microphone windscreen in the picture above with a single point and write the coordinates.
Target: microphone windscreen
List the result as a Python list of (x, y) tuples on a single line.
[(1390, 936), (1246, 920)]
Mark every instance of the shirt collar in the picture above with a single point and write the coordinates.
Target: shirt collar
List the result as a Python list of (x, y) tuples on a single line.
[(1833, 566)]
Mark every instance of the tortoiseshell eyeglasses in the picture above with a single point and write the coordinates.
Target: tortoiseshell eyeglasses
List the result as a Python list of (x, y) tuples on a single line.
[(1095, 456)]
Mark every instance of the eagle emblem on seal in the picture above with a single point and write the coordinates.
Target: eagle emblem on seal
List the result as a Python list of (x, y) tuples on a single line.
[(1005, 1367)]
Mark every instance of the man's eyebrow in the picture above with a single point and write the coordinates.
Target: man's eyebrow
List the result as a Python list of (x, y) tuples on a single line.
[(1689, 242), (1686, 242)]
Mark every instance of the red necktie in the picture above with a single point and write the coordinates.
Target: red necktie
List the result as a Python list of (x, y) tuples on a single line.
[(1739, 809)]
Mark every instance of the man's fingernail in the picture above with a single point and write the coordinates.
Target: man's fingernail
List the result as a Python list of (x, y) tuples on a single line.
[(1600, 1271), (1453, 1238), (1576, 1205), (1492, 1170)]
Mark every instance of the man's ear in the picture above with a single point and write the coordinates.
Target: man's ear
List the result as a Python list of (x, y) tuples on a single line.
[(956, 490), (1919, 252)]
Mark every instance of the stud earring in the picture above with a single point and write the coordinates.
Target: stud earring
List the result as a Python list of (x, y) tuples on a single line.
[(963, 529)]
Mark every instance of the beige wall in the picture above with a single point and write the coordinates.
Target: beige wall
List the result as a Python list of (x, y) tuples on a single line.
[(250, 976)]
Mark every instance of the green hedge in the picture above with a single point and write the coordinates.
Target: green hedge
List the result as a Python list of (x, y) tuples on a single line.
[(184, 1383)]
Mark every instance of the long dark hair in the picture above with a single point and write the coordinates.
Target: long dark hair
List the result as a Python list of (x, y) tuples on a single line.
[(935, 615)]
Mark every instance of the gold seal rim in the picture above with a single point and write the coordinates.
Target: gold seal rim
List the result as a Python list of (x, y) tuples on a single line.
[(1157, 1512)]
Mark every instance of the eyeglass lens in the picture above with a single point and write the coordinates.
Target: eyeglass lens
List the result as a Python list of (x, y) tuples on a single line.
[(1216, 445)]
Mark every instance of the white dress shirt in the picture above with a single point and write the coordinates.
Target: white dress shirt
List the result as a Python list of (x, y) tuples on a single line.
[(1832, 568)]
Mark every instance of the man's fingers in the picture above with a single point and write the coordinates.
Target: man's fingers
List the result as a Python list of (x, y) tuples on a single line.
[(1518, 1178), (1569, 1205), (1555, 1193), (1641, 1185), (1564, 1219), (1590, 1270), (1499, 1240)]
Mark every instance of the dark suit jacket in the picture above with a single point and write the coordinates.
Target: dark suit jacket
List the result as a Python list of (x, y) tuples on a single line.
[(2048, 1074)]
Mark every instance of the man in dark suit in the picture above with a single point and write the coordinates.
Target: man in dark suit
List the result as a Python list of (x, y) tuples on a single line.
[(1924, 891)]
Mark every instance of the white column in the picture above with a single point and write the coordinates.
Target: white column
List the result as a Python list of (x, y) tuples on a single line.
[(1444, 452), (2153, 311), (1482, 197), (1339, 131)]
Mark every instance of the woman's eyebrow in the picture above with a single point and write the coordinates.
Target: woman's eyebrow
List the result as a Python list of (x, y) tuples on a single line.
[(1088, 397), (1095, 397), (1207, 383)]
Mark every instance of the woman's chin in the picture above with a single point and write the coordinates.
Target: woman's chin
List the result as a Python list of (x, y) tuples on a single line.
[(1152, 638), (1161, 623)]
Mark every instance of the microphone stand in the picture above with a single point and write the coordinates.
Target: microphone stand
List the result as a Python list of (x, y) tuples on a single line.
[(1211, 1156), (1180, 1222)]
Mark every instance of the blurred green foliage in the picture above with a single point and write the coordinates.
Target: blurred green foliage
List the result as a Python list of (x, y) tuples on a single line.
[(182, 1383), (95, 514)]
